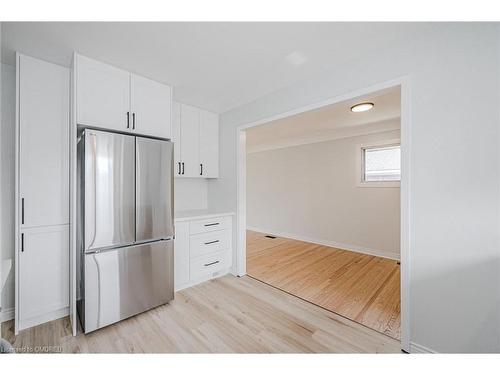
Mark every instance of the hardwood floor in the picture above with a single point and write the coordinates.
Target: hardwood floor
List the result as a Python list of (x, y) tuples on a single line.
[(225, 315), (360, 287)]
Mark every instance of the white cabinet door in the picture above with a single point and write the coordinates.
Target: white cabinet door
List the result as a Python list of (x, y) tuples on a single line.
[(190, 141), (181, 254), (176, 137), (103, 95), (209, 144), (43, 143), (43, 275), (151, 107)]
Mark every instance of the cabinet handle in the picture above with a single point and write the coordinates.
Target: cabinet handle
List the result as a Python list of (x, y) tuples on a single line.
[(182, 167), (211, 242), (22, 210), (179, 164), (133, 121), (211, 264), (22, 242), (211, 224), (201, 169), (128, 119)]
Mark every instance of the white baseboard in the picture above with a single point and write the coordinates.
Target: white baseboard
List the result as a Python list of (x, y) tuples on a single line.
[(44, 318), (420, 349), (337, 245), (6, 314), (191, 283)]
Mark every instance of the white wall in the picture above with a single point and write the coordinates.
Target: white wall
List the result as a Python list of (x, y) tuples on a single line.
[(310, 192), (190, 194), (454, 174), (7, 150)]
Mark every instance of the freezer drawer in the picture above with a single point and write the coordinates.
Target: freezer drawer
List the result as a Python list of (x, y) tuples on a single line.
[(127, 281)]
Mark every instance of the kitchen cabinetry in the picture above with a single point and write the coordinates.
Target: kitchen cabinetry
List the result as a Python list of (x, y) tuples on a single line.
[(196, 139), (181, 254), (112, 98), (42, 192), (203, 247), (43, 275)]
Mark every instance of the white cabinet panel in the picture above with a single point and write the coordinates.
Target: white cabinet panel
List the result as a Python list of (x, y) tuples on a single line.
[(210, 224), (176, 137), (103, 95), (43, 143), (209, 144), (190, 141), (181, 254), (151, 107), (43, 274), (207, 266), (208, 243)]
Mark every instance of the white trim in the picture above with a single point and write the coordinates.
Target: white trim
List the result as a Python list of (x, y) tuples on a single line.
[(420, 349), (191, 283), (7, 314), (44, 318), (361, 130), (404, 82), (72, 198), (16, 198), (334, 244)]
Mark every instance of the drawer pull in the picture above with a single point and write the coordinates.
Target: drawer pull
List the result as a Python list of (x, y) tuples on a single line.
[(211, 224), (211, 264), (211, 242)]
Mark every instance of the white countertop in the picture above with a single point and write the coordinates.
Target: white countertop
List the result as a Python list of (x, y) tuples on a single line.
[(6, 266), (199, 214)]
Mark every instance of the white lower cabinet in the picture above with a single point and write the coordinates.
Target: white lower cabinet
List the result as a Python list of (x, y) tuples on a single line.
[(181, 254), (43, 275), (203, 249)]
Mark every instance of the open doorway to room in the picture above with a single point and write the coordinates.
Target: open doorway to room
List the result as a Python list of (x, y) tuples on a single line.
[(323, 207)]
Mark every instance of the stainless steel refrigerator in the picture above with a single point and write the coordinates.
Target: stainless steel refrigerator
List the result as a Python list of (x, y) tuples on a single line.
[(125, 210)]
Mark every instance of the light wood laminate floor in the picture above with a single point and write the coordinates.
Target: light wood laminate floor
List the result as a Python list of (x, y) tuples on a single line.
[(225, 315), (360, 287)]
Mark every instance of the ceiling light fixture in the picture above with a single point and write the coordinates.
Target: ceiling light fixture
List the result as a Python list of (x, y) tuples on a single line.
[(362, 107)]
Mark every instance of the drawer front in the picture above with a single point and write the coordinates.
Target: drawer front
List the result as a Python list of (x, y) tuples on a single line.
[(208, 265), (211, 242), (210, 225)]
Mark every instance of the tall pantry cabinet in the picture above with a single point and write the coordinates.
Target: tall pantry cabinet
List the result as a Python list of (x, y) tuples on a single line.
[(42, 192)]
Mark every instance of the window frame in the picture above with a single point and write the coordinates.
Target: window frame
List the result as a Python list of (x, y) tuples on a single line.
[(360, 164)]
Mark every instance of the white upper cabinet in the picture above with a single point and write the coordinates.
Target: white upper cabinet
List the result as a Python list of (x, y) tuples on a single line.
[(43, 143), (190, 141), (112, 98), (209, 144), (196, 141), (176, 137), (103, 95), (151, 107)]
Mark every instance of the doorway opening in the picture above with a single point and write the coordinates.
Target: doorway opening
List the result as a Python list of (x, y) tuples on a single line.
[(324, 215)]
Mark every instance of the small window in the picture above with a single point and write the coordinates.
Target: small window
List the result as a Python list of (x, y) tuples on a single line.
[(381, 163)]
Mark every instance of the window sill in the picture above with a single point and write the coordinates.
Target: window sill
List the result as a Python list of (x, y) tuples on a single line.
[(380, 184)]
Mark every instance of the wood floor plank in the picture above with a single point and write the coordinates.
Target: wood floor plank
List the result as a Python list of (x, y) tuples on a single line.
[(226, 315), (360, 287)]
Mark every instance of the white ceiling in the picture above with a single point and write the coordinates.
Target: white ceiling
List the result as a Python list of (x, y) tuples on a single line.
[(330, 122), (216, 66)]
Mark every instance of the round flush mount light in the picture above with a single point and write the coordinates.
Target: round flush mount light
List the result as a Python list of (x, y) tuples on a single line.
[(362, 107)]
